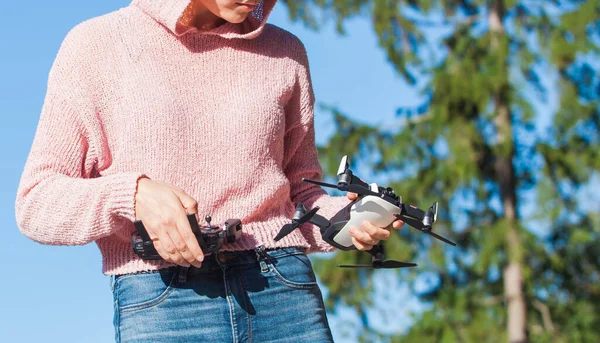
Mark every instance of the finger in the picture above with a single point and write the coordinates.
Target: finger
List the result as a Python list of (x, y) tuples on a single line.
[(398, 224), (158, 246), (170, 248), (351, 196), (178, 259), (191, 206), (376, 232), (361, 245), (181, 246), (160, 249), (363, 237), (192, 253)]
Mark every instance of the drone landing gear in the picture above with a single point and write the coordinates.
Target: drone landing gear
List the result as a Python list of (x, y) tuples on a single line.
[(377, 261)]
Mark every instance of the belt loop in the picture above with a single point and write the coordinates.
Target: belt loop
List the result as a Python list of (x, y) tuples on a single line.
[(112, 280), (262, 257), (183, 271)]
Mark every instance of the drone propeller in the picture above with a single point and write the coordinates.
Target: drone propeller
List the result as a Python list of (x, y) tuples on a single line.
[(354, 188), (377, 261), (418, 225), (422, 220), (347, 182), (355, 265), (300, 217), (397, 264), (324, 184), (389, 264), (445, 240)]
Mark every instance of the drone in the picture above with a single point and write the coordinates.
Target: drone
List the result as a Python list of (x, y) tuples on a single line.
[(378, 205)]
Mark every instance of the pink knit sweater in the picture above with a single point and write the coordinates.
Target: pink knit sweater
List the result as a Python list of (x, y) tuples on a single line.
[(226, 115)]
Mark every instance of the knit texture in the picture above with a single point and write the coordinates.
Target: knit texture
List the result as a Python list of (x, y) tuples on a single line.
[(226, 115)]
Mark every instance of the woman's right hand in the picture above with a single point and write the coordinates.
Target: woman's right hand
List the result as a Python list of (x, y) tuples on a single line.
[(163, 210)]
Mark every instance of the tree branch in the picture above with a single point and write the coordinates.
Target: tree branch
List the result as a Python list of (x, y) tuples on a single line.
[(546, 318), (449, 21), (493, 300)]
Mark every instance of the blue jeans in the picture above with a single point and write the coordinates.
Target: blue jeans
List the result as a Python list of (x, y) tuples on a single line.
[(237, 296)]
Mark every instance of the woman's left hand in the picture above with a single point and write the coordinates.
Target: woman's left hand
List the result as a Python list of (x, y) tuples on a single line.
[(368, 235)]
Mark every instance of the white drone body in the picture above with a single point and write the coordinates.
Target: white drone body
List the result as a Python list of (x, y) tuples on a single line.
[(368, 208)]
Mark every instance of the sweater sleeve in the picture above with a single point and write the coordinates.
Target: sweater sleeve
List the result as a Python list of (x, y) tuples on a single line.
[(301, 159), (61, 199)]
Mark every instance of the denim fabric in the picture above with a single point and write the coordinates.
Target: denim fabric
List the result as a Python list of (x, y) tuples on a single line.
[(233, 297)]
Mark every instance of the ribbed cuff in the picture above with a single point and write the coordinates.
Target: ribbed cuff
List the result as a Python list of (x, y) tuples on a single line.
[(123, 189)]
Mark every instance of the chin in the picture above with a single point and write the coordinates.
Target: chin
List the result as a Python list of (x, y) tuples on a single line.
[(236, 18)]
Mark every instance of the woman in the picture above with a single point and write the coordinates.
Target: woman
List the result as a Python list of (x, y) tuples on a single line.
[(168, 107)]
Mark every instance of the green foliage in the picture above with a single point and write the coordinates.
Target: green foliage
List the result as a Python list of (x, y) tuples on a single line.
[(477, 142)]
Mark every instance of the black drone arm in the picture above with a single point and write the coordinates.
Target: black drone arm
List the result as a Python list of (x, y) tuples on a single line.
[(417, 224), (355, 180), (320, 221), (377, 252), (413, 212), (417, 218), (413, 217)]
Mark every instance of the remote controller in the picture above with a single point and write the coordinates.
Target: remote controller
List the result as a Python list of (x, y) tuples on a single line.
[(210, 238)]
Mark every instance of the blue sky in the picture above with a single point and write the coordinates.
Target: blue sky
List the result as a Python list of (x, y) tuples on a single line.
[(58, 294)]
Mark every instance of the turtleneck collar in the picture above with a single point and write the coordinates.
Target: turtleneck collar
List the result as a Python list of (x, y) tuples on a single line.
[(168, 12)]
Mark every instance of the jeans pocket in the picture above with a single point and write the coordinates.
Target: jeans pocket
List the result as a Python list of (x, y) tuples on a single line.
[(294, 270), (144, 290)]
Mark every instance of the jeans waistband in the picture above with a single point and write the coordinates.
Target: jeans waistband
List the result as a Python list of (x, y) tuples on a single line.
[(228, 259), (243, 257), (213, 262), (251, 256)]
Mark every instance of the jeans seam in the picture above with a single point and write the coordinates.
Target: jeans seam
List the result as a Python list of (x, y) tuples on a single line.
[(296, 285), (300, 285), (246, 301), (293, 253), (117, 319), (119, 277), (231, 307), (322, 302), (150, 303)]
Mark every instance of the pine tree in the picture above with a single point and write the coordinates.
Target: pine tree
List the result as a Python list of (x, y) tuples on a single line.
[(476, 146)]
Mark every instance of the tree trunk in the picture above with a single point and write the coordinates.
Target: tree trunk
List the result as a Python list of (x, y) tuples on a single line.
[(505, 176)]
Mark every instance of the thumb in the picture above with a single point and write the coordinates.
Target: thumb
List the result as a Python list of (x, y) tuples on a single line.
[(351, 195)]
